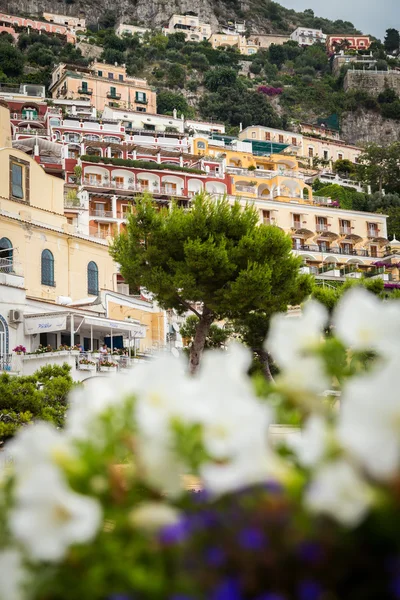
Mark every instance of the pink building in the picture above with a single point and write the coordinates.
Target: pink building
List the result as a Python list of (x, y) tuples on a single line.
[(52, 28)]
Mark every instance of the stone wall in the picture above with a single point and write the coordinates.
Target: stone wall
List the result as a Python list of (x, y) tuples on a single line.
[(373, 82), (363, 127)]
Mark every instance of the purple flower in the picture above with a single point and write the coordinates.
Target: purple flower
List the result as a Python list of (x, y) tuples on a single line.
[(309, 590), (309, 551), (215, 556), (395, 586), (174, 534), (251, 538), (271, 596), (273, 487), (227, 590)]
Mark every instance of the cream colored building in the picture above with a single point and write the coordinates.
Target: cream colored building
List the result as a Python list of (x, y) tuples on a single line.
[(73, 23), (304, 146), (105, 85), (235, 40), (125, 29), (58, 286), (190, 25), (264, 40)]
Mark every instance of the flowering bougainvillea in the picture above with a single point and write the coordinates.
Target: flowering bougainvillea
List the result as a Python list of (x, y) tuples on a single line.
[(269, 90)]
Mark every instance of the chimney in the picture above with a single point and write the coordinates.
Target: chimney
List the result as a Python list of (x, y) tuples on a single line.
[(5, 126)]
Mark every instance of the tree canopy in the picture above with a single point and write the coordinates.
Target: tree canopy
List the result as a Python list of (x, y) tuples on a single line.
[(214, 260)]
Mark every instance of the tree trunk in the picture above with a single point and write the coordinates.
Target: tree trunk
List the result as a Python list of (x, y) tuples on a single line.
[(264, 360), (199, 341)]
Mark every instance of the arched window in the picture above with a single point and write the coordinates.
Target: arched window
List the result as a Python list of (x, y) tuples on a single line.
[(48, 268), (93, 278), (6, 255)]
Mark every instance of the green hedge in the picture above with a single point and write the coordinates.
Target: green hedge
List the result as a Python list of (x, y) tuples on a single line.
[(139, 164)]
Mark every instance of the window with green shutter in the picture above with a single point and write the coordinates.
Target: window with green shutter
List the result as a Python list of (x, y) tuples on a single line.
[(113, 92), (141, 97), (84, 86)]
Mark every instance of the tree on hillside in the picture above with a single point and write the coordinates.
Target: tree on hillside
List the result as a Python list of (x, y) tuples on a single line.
[(167, 101), (392, 40), (379, 166), (11, 60), (214, 260)]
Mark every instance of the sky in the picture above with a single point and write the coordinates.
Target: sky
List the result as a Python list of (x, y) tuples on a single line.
[(373, 16)]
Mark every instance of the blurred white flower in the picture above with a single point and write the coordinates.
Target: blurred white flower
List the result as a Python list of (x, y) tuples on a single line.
[(152, 516), (38, 444), (310, 445), (48, 517), (12, 575), (304, 376), (159, 464), (164, 392), (364, 322), (337, 490), (234, 420), (369, 420), (89, 402), (290, 339)]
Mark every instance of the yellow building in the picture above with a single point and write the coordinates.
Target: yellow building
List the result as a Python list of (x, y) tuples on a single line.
[(236, 40), (105, 85), (63, 286), (276, 176)]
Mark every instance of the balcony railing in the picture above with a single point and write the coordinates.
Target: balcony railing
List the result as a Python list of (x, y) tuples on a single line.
[(264, 174), (321, 227), (345, 230), (73, 204), (372, 233), (5, 362), (143, 101), (112, 96), (346, 252), (99, 233), (246, 188), (26, 117), (104, 214), (135, 187), (87, 91)]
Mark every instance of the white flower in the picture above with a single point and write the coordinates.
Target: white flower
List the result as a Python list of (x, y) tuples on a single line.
[(233, 419), (310, 445), (338, 491), (369, 421), (304, 376), (244, 470), (159, 464), (364, 322), (152, 516), (48, 516), (12, 575), (164, 392), (37, 444), (292, 338)]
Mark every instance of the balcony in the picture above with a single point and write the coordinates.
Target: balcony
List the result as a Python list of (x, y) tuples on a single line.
[(341, 251), (248, 189), (99, 233), (113, 96), (72, 205), (143, 101), (372, 232), (321, 227), (345, 230), (11, 273), (85, 91), (136, 188), (102, 214)]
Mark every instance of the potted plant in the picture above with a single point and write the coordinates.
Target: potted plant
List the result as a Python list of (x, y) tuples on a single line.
[(108, 366), (87, 365), (19, 349)]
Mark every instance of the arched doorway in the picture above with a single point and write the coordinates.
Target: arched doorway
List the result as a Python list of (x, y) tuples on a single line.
[(4, 345), (6, 255)]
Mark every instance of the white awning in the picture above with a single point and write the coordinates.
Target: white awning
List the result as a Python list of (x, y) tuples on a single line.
[(135, 328), (45, 323)]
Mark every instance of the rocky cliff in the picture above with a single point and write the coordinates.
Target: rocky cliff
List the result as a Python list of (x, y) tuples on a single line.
[(148, 12), (362, 127)]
